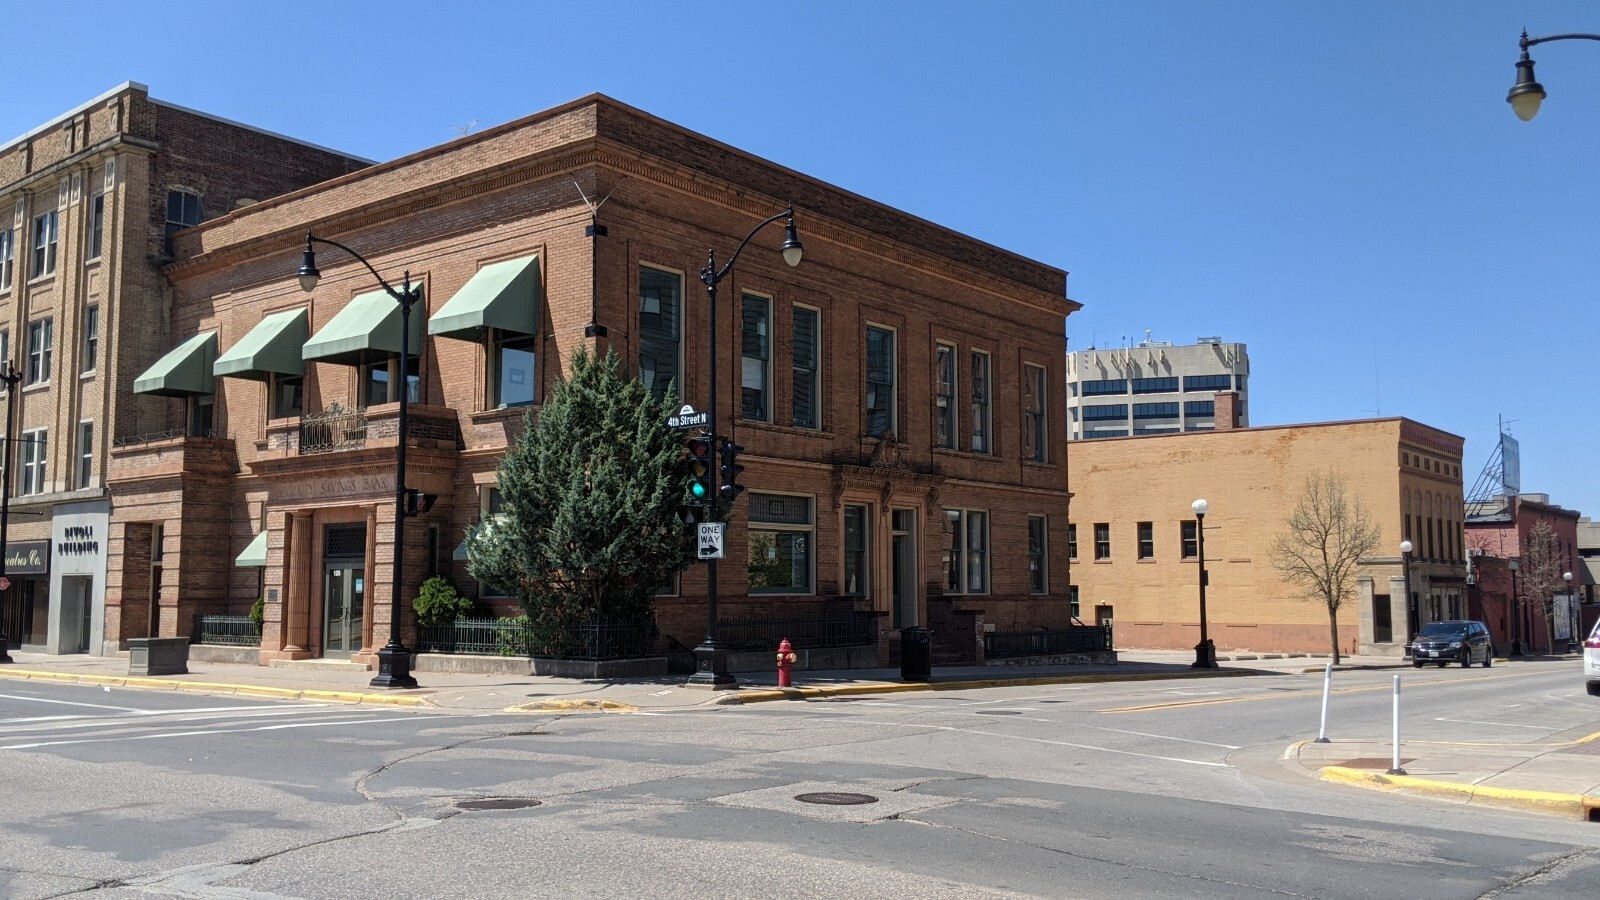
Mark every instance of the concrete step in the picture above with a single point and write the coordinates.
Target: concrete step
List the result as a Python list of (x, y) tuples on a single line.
[(323, 665)]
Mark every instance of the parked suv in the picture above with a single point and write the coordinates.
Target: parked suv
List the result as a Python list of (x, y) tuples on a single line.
[(1591, 661), (1459, 640)]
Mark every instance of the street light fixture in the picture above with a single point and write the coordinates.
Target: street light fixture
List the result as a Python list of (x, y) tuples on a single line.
[(12, 377), (1572, 634), (394, 660), (1205, 652), (1516, 611), (1526, 95), (1411, 603), (711, 661)]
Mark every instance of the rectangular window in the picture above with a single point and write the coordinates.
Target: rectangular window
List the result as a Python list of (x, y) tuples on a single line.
[(1147, 540), (490, 504), (966, 556), (5, 357), (97, 224), (1199, 407), (1155, 385), (91, 338), (1103, 412), (756, 356), (514, 372), (41, 338), (1033, 413), (202, 419), (378, 377), (880, 381), (857, 572), (1105, 386), (183, 211), (45, 235), (660, 329), (1072, 541), (1072, 595), (1189, 537), (1207, 382), (8, 257), (35, 450), (1038, 575), (1102, 540), (1155, 411), (287, 396), (980, 403), (803, 390), (780, 535), (85, 453), (944, 396)]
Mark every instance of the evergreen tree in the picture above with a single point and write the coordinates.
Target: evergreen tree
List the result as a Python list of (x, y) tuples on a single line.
[(592, 494)]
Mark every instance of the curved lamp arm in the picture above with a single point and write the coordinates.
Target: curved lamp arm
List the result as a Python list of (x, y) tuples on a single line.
[(308, 270), (1527, 93), (711, 275)]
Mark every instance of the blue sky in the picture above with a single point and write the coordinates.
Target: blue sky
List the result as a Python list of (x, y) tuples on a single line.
[(1339, 185)]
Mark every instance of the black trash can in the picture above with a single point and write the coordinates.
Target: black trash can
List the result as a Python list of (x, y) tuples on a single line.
[(916, 654)]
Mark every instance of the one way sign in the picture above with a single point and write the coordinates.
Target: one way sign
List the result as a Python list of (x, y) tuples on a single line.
[(711, 540)]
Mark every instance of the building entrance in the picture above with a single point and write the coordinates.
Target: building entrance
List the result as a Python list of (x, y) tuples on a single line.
[(343, 590), (903, 558)]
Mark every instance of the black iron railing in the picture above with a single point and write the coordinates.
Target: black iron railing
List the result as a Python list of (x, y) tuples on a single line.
[(593, 640), (1074, 639), (804, 632), (333, 429), (487, 637), (227, 631)]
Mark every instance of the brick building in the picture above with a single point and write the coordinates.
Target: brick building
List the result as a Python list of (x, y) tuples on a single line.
[(1516, 585), (1135, 553), (88, 205), (897, 393)]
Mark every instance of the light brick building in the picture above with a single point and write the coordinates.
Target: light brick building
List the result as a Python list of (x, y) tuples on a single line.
[(88, 204), (898, 393), (1135, 553)]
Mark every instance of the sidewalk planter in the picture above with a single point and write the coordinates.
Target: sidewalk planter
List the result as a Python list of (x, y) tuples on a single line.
[(158, 656)]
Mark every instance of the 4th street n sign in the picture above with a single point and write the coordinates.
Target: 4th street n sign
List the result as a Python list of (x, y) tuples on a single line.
[(688, 418)]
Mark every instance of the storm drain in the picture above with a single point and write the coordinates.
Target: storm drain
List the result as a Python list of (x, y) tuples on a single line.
[(836, 798), (497, 803)]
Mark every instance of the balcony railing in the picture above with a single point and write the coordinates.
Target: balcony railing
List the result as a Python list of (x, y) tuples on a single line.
[(333, 430)]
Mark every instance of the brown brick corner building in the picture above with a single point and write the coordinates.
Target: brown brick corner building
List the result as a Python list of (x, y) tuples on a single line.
[(896, 393)]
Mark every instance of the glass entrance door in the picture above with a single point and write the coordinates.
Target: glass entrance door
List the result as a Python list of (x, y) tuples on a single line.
[(903, 559), (342, 604)]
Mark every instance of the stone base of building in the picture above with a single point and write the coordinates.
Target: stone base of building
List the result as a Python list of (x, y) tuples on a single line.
[(648, 667), (863, 657), (1097, 658)]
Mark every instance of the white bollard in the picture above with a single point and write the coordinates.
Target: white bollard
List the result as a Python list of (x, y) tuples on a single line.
[(1395, 769), (1327, 685)]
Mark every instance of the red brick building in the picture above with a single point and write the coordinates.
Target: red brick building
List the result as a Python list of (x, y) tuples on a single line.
[(1515, 582), (896, 393), (88, 205)]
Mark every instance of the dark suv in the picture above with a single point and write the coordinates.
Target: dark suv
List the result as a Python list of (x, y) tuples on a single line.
[(1461, 640)]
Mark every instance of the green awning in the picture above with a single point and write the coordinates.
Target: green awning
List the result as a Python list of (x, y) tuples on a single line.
[(255, 554), (368, 325), (184, 372), (504, 295), (272, 347)]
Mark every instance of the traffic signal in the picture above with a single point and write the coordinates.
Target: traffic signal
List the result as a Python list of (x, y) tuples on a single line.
[(731, 487), (700, 478), (417, 503)]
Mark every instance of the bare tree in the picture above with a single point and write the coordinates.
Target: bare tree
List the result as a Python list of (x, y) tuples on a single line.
[(1325, 538), (1541, 573)]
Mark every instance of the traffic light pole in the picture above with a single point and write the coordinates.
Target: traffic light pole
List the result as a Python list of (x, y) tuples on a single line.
[(711, 660)]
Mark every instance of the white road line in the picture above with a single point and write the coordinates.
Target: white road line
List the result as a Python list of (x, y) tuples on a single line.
[(126, 709), (177, 734), (38, 723), (1163, 737), (1498, 724)]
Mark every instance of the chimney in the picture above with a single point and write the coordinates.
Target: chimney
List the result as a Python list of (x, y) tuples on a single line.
[(1227, 410)]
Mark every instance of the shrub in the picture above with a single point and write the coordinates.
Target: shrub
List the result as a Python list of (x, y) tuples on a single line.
[(438, 603), (258, 612), (515, 640)]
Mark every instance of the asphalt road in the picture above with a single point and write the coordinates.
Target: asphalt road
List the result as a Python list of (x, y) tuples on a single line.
[(1126, 790)]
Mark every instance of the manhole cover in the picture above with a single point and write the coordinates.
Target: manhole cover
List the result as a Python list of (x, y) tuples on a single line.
[(1373, 762), (835, 798), (497, 803), (998, 712)]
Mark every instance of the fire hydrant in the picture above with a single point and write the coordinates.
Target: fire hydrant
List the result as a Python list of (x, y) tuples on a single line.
[(786, 661)]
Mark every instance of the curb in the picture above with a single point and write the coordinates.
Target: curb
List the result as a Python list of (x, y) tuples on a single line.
[(206, 687), (889, 687), (1574, 806)]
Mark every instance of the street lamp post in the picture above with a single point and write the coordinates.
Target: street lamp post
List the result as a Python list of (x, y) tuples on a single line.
[(1526, 95), (711, 661), (1205, 652), (1572, 634), (12, 377), (394, 660), (1411, 603), (1516, 611)]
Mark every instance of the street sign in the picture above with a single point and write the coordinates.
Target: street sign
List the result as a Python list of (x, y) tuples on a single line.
[(710, 540), (5, 583), (688, 418)]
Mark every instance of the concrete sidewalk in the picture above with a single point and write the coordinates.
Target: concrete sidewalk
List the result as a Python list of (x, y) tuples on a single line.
[(1560, 777)]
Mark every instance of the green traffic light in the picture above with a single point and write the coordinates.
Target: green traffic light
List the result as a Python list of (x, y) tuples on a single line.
[(699, 491)]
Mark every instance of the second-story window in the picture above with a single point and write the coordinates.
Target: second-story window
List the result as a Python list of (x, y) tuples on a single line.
[(85, 453), (944, 397), (97, 226), (514, 368), (755, 359), (1033, 413), (880, 382), (45, 234), (1147, 540), (35, 451), (91, 337), (8, 257), (1190, 538), (1102, 540), (287, 395), (41, 337), (979, 426), (803, 390), (660, 329), (183, 211)]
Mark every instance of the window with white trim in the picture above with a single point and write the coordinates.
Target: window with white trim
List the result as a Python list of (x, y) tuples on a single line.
[(35, 451), (46, 232), (1102, 540), (41, 340), (966, 553), (97, 226), (183, 211), (514, 376), (8, 257), (944, 396), (91, 337), (780, 534), (85, 454)]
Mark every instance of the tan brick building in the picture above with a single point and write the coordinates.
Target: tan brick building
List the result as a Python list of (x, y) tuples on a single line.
[(88, 203), (1136, 557), (898, 393)]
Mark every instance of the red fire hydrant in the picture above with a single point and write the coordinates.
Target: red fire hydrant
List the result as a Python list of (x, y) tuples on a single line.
[(786, 661)]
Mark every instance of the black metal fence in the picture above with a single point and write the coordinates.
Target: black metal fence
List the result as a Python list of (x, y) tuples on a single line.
[(593, 640), (1073, 639), (333, 429), (227, 631), (856, 628), (484, 637)]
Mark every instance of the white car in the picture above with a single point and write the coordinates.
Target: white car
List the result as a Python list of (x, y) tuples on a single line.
[(1591, 661)]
